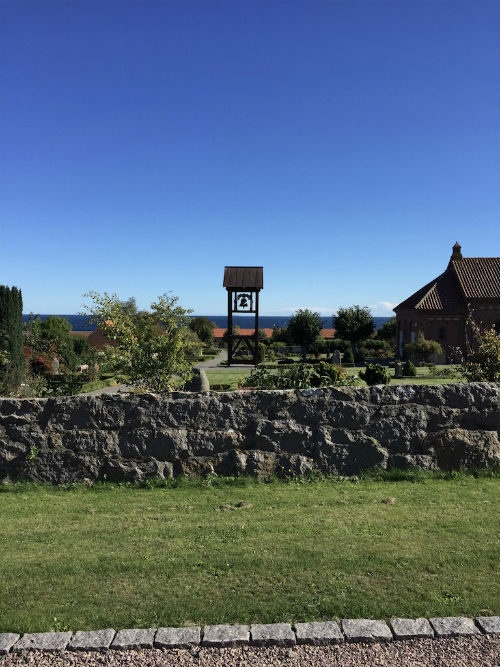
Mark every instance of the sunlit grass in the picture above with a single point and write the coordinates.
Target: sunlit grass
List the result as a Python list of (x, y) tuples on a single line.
[(113, 556)]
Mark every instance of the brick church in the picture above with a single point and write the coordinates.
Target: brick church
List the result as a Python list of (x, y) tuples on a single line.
[(440, 308)]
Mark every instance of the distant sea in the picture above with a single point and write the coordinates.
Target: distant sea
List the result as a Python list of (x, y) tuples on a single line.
[(80, 322)]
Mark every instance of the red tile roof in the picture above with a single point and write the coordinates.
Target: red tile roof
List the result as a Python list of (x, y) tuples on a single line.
[(219, 332), (465, 280), (478, 277)]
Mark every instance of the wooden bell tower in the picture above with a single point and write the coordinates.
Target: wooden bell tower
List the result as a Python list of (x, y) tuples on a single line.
[(243, 284)]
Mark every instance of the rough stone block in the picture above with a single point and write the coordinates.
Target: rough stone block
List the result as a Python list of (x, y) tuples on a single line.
[(454, 626), (134, 638), (43, 641), (490, 625), (177, 637), (272, 634), (409, 628), (226, 635), (318, 634), (95, 640), (366, 630), (7, 641)]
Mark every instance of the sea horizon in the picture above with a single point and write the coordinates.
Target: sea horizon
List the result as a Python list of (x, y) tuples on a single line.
[(81, 323)]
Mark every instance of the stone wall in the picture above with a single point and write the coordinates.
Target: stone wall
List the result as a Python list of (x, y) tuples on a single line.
[(335, 430)]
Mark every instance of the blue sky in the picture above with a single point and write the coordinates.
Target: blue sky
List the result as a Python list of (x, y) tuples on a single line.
[(343, 145)]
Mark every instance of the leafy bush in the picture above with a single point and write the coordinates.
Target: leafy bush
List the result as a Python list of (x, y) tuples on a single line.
[(348, 357), (423, 348), (262, 352), (261, 378), (327, 374), (409, 369), (361, 354), (444, 373), (299, 376), (339, 344), (483, 363), (149, 347), (318, 347), (375, 374)]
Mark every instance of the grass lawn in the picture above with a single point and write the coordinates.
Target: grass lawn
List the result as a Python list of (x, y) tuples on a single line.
[(227, 375), (114, 556)]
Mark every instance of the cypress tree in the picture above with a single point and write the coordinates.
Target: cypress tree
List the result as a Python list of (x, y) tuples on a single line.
[(11, 335)]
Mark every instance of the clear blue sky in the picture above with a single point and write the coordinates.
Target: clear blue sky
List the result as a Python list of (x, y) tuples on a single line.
[(344, 145)]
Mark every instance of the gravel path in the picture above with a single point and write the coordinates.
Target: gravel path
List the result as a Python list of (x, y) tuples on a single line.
[(213, 363), (482, 651)]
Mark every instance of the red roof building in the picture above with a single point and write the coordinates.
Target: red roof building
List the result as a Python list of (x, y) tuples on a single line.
[(219, 332), (440, 309)]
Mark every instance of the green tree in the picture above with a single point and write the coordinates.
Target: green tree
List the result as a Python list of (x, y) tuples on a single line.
[(204, 328), (354, 324), (225, 337), (281, 335), (388, 330), (262, 337), (318, 347), (11, 338), (150, 348), (303, 328), (423, 347), (81, 347), (52, 337)]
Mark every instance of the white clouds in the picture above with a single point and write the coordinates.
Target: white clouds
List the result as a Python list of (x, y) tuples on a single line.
[(383, 307)]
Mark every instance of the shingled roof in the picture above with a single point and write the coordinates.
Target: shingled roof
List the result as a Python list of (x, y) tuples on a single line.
[(243, 277), (466, 279), (479, 277)]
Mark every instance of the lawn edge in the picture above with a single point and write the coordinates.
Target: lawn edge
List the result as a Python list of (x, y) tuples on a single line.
[(270, 634)]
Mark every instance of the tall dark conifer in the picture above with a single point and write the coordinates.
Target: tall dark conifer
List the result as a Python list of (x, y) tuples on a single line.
[(11, 334)]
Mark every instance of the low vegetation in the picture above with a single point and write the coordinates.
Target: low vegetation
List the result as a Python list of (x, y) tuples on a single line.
[(228, 551)]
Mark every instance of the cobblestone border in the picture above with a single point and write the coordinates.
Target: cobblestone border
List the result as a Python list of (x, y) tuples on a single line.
[(270, 634)]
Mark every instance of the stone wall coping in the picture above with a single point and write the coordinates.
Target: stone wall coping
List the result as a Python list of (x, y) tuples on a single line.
[(272, 634), (369, 391)]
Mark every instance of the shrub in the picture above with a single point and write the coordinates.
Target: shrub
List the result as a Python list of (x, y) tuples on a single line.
[(375, 374), (339, 344), (326, 374), (483, 363), (262, 352), (361, 354), (298, 376), (409, 369), (348, 357), (423, 348), (150, 347)]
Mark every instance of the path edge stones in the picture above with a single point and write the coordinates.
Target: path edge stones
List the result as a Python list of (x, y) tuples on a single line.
[(267, 634)]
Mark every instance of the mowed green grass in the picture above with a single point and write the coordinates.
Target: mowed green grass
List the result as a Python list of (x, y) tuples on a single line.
[(128, 557)]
